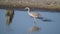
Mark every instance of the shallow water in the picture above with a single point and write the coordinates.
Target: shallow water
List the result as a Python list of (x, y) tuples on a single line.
[(22, 21)]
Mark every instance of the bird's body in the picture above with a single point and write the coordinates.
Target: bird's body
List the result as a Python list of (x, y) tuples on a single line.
[(34, 14)]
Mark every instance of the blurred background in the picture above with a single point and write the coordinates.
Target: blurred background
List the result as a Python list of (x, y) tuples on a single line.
[(22, 22)]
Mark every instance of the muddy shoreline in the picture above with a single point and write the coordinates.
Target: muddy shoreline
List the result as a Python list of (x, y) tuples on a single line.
[(36, 4)]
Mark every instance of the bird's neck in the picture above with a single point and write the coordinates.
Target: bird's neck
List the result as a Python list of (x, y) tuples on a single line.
[(28, 10)]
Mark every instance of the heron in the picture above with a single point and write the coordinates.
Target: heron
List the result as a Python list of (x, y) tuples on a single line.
[(9, 16), (34, 15)]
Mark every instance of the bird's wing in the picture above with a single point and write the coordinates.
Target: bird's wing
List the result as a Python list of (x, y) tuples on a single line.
[(34, 14)]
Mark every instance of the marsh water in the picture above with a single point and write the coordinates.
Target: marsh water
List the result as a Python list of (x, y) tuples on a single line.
[(22, 21)]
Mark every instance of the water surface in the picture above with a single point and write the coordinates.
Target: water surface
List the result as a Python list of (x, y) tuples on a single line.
[(22, 21)]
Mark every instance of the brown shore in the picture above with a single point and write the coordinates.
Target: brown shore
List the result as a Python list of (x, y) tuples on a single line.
[(33, 4)]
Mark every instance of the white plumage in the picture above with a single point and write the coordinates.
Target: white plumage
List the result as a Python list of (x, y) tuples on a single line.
[(33, 14)]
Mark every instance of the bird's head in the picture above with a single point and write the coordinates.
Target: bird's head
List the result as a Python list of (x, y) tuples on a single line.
[(27, 8)]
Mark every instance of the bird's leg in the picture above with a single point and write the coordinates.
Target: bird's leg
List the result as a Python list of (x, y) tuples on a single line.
[(35, 21)]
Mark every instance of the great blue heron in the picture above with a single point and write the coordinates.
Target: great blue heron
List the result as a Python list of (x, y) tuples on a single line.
[(9, 16)]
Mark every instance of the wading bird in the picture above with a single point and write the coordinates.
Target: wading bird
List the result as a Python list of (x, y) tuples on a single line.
[(9, 16), (34, 15)]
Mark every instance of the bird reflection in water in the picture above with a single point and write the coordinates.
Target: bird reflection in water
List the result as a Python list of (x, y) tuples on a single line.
[(33, 29)]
